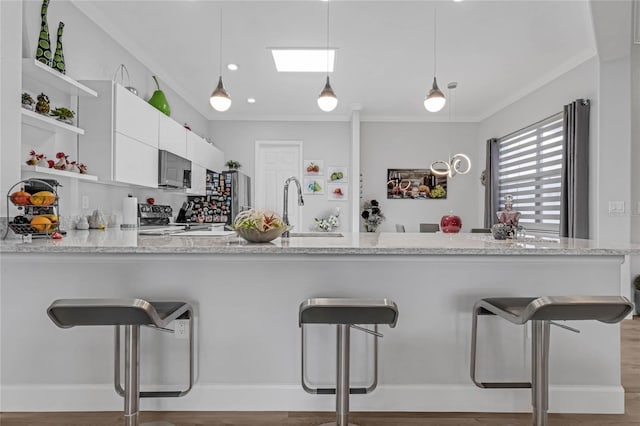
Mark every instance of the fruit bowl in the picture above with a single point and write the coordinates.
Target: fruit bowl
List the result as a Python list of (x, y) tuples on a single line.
[(255, 236)]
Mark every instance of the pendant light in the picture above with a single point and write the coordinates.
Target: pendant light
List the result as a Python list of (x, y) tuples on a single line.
[(327, 101), (435, 100), (220, 99), (459, 163)]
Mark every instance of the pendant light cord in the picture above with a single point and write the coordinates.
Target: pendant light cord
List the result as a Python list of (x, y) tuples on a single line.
[(220, 46), (435, 56), (328, 2)]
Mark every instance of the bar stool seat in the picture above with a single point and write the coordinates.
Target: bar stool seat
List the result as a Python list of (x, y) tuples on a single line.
[(130, 313), (345, 313), (542, 311)]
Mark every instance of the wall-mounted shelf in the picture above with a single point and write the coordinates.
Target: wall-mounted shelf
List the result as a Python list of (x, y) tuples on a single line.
[(39, 72), (47, 123), (55, 172)]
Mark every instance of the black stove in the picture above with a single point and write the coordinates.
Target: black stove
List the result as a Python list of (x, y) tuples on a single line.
[(154, 214)]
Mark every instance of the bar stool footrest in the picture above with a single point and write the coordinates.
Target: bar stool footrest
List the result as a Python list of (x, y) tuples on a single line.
[(332, 391), (162, 394), (505, 385)]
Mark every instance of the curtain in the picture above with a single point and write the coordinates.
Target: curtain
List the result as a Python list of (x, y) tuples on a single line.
[(491, 198), (574, 202)]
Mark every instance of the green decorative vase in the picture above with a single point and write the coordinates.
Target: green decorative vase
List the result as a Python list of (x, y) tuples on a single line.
[(159, 100), (58, 57), (43, 51)]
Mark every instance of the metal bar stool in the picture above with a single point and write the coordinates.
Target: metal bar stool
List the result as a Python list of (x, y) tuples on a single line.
[(346, 314), (130, 313), (542, 311)]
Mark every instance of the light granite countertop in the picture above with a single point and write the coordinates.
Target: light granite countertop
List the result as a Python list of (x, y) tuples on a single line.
[(128, 241)]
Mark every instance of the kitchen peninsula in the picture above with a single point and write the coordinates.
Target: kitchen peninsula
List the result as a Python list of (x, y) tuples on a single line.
[(247, 297)]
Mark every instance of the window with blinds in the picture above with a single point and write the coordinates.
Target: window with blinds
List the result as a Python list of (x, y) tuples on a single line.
[(529, 168)]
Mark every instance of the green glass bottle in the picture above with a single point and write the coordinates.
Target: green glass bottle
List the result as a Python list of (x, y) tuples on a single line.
[(43, 51), (58, 57)]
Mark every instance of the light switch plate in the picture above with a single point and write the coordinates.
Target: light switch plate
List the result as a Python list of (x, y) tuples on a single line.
[(616, 207)]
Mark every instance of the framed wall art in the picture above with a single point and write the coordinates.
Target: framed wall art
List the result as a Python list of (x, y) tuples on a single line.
[(338, 191), (415, 184), (313, 167)]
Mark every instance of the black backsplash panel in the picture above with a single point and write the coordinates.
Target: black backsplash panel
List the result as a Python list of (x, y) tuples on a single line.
[(214, 207)]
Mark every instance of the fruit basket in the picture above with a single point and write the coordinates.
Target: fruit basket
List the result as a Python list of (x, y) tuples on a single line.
[(37, 204)]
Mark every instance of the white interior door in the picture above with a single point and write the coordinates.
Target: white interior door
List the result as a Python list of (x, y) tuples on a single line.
[(275, 162)]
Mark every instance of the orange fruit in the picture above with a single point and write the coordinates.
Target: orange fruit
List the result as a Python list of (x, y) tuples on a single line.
[(41, 223)]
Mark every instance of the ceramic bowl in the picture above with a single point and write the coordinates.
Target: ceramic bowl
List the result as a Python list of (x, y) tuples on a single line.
[(255, 236)]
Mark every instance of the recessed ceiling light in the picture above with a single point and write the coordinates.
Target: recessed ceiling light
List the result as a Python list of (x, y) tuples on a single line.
[(232, 67), (303, 60), (251, 100), (457, 1)]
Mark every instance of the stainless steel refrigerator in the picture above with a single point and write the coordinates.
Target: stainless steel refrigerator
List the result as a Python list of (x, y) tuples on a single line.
[(228, 193)]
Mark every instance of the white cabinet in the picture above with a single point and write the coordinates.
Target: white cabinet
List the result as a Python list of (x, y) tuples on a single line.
[(135, 162), (172, 136), (121, 135), (201, 152), (198, 180), (135, 117)]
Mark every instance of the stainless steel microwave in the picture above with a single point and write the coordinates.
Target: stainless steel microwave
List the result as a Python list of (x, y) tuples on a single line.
[(173, 170)]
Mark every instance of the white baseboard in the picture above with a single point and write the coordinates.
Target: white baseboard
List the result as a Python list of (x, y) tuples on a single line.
[(418, 398)]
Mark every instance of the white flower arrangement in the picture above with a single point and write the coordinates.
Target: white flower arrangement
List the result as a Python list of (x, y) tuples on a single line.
[(329, 223)]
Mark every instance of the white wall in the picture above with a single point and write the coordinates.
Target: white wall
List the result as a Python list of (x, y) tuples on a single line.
[(416, 146), (580, 82), (327, 141), (10, 82)]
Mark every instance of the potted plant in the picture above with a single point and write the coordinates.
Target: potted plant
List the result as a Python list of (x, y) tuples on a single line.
[(63, 114), (233, 164), (27, 101)]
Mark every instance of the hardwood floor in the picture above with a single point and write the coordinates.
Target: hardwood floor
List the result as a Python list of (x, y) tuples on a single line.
[(630, 381)]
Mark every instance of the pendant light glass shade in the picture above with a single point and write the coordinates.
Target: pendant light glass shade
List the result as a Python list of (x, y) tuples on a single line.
[(435, 100), (327, 101), (220, 99)]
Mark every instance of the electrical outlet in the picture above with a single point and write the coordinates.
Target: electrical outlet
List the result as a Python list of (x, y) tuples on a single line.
[(182, 329), (85, 201)]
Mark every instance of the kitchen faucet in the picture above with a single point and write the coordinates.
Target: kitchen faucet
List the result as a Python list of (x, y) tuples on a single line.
[(285, 209)]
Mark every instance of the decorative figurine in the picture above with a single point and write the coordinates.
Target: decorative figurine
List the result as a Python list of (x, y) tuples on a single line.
[(58, 57), (508, 219), (42, 106), (43, 51), (82, 168), (62, 162), (37, 159)]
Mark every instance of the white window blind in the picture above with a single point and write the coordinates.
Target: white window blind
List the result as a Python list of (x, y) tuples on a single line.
[(529, 168)]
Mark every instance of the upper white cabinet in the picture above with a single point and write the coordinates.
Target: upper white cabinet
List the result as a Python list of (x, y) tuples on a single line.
[(121, 135), (135, 117), (135, 163), (198, 180), (201, 152), (172, 136)]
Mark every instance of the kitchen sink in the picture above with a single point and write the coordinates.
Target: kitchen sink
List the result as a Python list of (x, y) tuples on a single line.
[(315, 234)]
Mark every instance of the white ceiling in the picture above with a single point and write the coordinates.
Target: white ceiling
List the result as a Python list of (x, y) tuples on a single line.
[(496, 50)]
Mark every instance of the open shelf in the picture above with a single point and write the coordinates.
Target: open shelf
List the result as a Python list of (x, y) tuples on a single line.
[(39, 72), (47, 123), (55, 172)]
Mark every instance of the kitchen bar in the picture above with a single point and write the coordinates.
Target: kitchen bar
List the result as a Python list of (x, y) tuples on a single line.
[(246, 298)]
